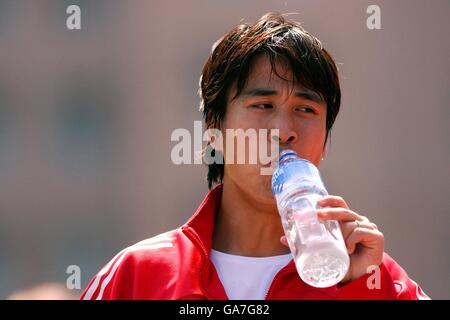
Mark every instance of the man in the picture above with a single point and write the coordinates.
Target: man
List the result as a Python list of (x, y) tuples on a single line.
[(271, 75)]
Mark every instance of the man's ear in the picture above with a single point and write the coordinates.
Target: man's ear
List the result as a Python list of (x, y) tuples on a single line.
[(324, 152), (214, 137)]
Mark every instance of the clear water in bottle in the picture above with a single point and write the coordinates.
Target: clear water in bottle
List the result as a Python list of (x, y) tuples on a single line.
[(318, 247)]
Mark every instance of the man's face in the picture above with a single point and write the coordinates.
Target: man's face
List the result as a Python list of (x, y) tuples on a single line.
[(269, 102)]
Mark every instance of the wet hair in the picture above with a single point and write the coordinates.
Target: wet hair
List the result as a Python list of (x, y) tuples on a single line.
[(282, 40)]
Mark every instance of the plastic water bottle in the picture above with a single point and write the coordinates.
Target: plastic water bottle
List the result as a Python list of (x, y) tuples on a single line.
[(318, 247)]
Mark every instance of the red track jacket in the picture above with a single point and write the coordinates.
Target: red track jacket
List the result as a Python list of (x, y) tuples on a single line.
[(176, 265)]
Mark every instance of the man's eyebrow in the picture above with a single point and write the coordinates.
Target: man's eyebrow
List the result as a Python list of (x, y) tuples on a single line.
[(309, 95), (258, 92), (264, 92)]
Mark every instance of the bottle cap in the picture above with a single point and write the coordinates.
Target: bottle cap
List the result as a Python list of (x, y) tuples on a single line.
[(287, 153)]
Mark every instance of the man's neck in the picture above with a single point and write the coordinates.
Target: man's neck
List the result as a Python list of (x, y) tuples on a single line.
[(244, 227)]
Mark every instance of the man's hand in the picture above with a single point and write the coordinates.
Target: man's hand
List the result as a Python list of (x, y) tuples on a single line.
[(365, 243)]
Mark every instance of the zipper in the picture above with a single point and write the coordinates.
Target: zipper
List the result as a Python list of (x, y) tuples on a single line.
[(194, 238), (286, 270), (289, 269)]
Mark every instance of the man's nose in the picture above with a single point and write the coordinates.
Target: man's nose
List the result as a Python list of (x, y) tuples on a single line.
[(287, 133)]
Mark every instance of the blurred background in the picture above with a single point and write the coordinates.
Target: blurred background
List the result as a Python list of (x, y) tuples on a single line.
[(86, 118)]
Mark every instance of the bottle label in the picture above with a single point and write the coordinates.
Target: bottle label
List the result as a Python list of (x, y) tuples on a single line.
[(303, 173)]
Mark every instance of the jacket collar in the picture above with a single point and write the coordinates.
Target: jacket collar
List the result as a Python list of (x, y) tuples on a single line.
[(199, 228), (202, 222)]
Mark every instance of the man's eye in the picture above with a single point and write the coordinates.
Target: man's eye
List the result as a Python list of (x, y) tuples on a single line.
[(262, 106), (305, 109)]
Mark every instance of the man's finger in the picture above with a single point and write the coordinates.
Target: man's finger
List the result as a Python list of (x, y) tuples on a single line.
[(348, 227), (333, 201), (365, 237), (339, 214)]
